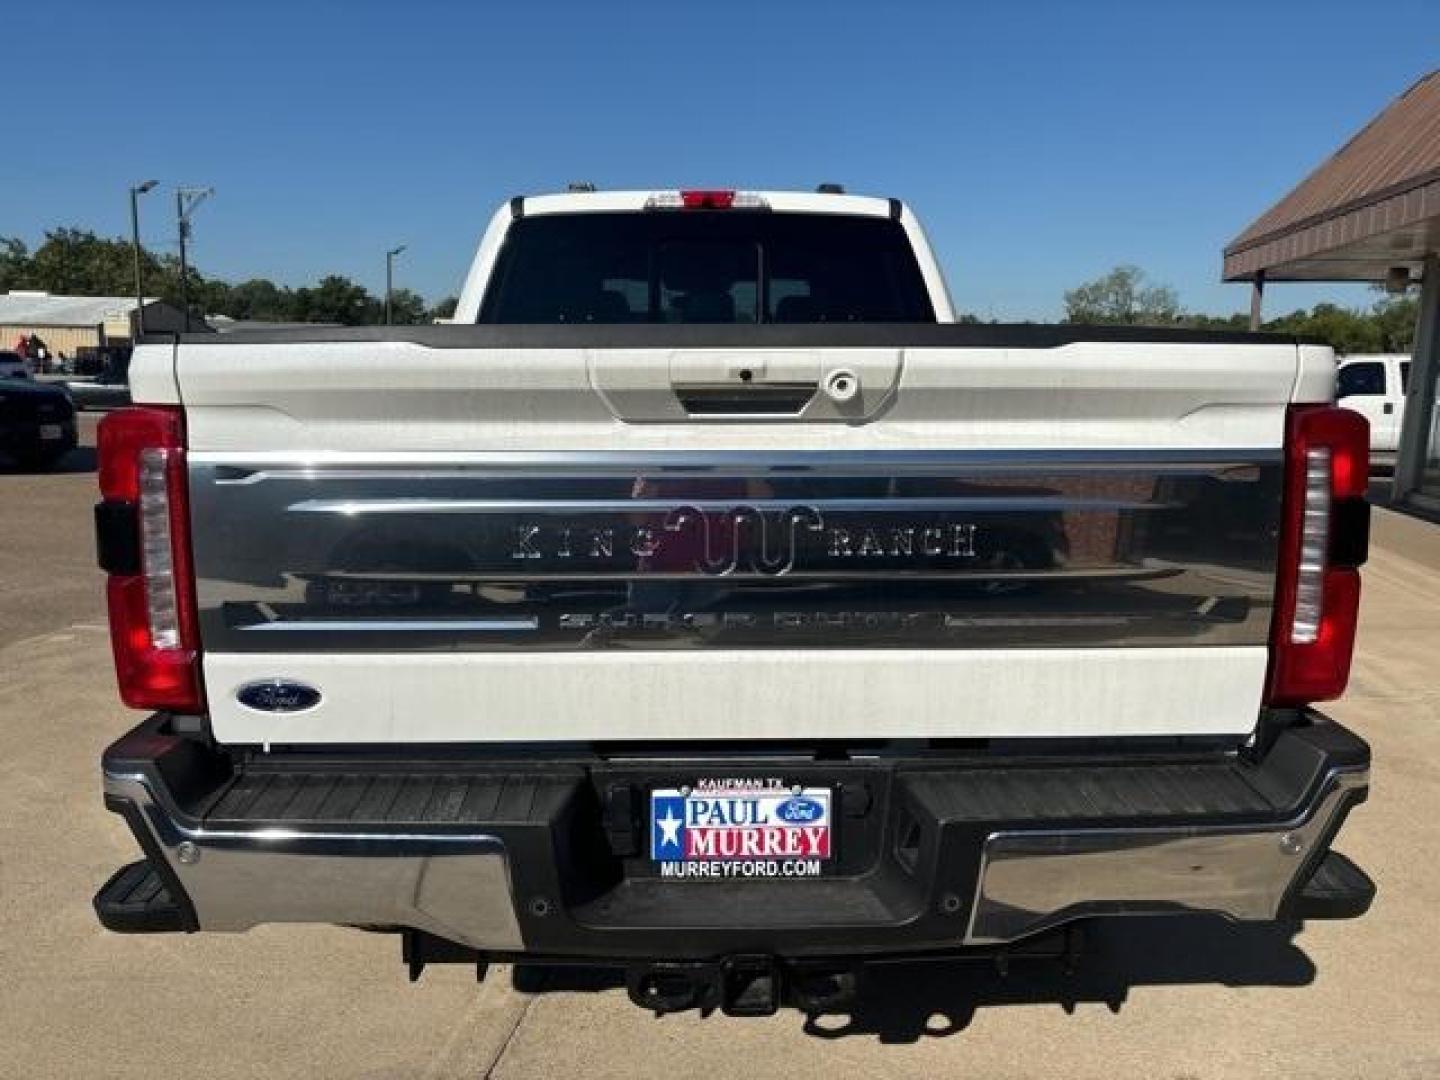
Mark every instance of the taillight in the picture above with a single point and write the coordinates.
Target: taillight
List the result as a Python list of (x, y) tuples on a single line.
[(1323, 541), (144, 540)]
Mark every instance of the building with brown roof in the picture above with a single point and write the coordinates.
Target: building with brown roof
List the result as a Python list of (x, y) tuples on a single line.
[(1370, 212)]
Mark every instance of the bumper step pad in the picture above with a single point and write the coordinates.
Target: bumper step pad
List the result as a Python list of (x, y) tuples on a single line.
[(135, 901), (1338, 890)]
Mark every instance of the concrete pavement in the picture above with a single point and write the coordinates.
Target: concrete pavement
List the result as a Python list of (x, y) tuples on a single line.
[(1184, 1000)]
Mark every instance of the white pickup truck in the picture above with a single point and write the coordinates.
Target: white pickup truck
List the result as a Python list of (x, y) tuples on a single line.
[(706, 602)]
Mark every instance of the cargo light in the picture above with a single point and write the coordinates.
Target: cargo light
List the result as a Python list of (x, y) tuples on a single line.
[(144, 540), (1323, 540), (707, 199)]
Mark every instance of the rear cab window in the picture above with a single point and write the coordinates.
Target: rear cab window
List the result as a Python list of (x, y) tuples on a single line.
[(706, 266)]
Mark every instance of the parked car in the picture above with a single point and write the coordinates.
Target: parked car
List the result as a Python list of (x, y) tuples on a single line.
[(37, 422), (1375, 386), (13, 366), (719, 609), (108, 390)]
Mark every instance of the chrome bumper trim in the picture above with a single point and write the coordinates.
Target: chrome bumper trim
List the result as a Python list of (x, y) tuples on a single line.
[(458, 886), (1033, 880), (455, 886)]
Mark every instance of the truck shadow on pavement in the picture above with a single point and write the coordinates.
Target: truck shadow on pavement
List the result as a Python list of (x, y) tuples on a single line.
[(902, 1002)]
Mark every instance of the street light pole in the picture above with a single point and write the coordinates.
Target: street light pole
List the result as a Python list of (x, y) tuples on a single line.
[(135, 192), (183, 227), (390, 280), (186, 202)]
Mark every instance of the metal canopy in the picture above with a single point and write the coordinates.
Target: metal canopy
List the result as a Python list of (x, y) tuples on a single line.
[(1372, 206)]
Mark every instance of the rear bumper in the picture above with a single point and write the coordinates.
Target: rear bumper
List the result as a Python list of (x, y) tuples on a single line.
[(516, 858)]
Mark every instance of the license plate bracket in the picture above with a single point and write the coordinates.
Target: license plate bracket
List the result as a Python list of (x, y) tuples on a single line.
[(727, 830)]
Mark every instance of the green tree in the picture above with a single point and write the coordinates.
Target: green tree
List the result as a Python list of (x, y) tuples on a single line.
[(262, 300), (1343, 329), (1238, 321), (337, 299), (76, 261), (1395, 318), (445, 309), (14, 263), (1123, 298), (407, 308)]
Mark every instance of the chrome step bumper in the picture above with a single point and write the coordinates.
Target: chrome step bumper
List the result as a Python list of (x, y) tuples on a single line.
[(510, 859), (453, 885), (1030, 881)]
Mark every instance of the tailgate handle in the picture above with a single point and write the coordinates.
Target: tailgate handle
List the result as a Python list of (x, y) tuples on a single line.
[(749, 397), (746, 399), (745, 384), (752, 382)]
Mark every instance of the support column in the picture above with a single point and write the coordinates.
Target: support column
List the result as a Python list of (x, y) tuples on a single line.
[(1257, 299), (1418, 428)]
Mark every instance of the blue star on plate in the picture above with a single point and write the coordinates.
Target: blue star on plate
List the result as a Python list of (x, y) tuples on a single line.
[(667, 834)]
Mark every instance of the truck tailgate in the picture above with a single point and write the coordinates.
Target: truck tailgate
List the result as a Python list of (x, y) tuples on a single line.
[(478, 536)]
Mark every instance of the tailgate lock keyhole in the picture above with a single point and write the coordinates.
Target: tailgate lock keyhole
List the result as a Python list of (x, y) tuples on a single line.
[(841, 385)]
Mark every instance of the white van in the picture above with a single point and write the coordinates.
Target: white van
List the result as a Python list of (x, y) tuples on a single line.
[(1374, 386)]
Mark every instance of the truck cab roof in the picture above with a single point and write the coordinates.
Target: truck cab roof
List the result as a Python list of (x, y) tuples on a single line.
[(793, 202), (726, 201)]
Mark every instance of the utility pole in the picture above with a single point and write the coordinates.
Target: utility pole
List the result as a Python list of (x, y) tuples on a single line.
[(135, 192), (187, 200), (390, 280)]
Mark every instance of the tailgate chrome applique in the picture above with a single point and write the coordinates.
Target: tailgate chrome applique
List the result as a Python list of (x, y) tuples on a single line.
[(736, 550)]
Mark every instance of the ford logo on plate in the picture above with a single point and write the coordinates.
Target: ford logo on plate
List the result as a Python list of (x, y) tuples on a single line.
[(278, 696), (800, 810)]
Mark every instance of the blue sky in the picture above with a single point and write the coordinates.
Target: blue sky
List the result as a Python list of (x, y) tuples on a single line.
[(1042, 142)]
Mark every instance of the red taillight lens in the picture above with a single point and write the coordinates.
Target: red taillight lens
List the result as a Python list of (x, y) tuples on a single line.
[(707, 200), (153, 623), (1322, 542)]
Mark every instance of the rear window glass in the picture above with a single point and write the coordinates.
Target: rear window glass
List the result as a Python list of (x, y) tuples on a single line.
[(719, 266)]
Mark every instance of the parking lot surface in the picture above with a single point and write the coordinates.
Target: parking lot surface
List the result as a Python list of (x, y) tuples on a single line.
[(1183, 1000)]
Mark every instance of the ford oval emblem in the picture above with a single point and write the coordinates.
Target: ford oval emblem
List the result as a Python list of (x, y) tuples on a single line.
[(800, 810), (278, 696)]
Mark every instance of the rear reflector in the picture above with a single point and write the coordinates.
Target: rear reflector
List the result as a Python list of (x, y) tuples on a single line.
[(1322, 542), (153, 626)]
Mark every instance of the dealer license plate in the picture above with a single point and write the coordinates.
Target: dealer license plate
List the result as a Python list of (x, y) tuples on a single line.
[(731, 829), (51, 431)]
